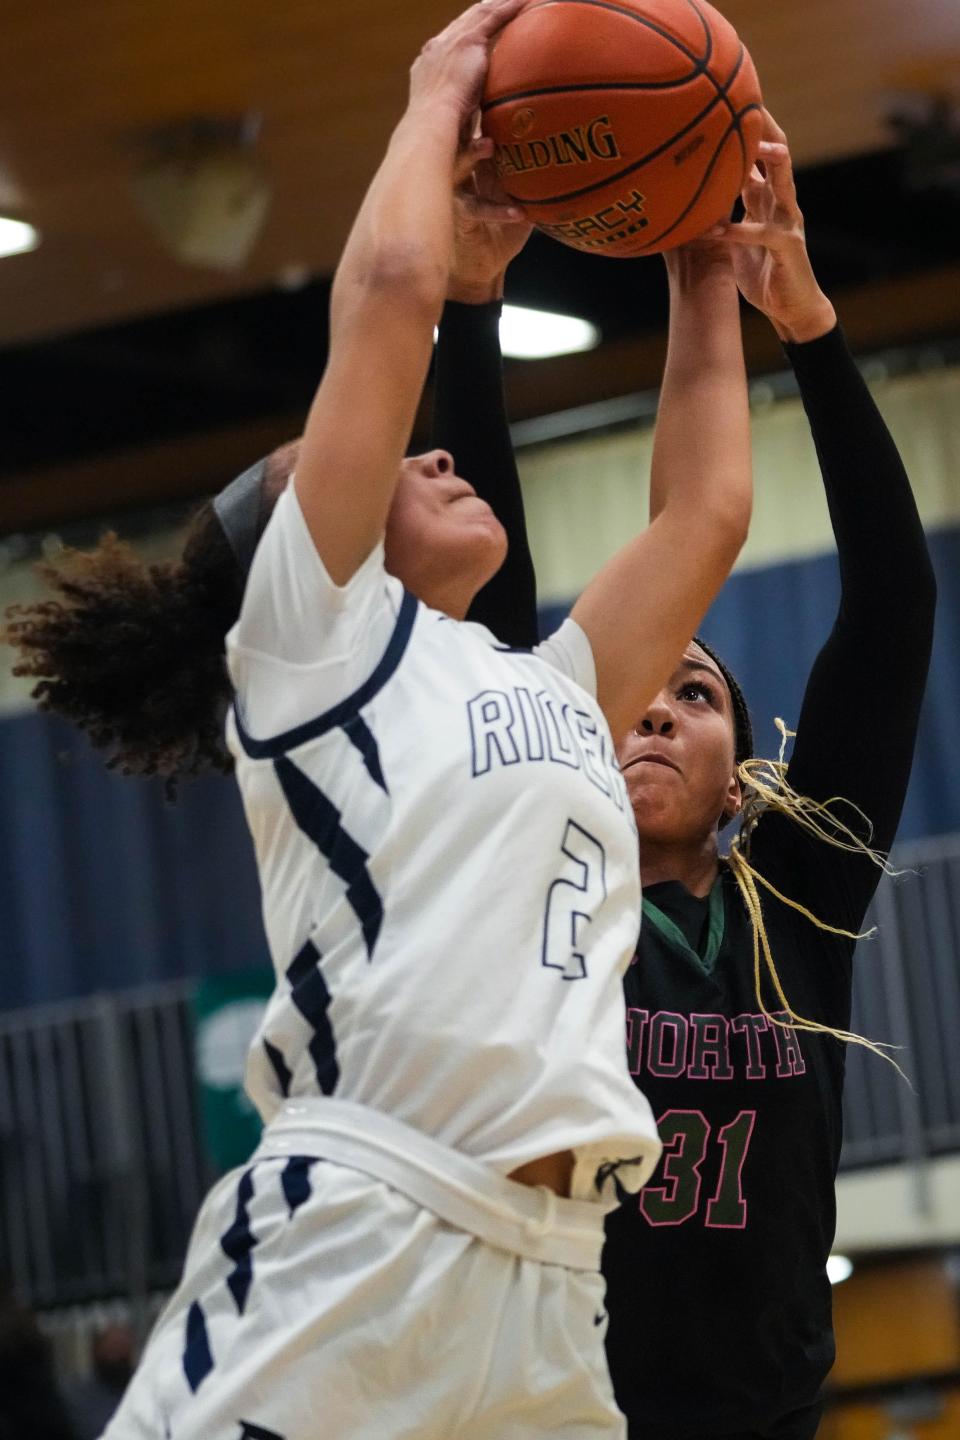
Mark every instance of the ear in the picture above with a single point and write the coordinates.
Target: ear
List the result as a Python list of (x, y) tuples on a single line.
[(733, 803)]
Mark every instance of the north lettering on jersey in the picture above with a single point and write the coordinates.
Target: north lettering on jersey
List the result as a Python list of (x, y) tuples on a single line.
[(671, 1046), (519, 726)]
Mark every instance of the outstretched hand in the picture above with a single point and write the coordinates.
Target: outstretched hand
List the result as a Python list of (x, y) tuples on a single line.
[(489, 229), (769, 247), (450, 70)]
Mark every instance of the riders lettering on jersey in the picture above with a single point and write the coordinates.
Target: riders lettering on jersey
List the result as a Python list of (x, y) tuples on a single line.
[(510, 727)]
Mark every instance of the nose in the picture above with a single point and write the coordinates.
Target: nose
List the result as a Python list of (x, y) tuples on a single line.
[(658, 720), (436, 462)]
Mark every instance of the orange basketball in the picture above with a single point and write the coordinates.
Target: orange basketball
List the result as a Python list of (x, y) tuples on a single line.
[(622, 127)]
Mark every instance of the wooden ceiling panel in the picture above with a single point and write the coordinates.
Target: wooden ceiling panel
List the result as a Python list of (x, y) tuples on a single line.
[(830, 67), (84, 85)]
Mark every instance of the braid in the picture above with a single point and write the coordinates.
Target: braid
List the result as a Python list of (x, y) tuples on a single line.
[(765, 787)]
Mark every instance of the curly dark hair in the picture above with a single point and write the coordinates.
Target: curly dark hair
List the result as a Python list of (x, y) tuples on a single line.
[(134, 653)]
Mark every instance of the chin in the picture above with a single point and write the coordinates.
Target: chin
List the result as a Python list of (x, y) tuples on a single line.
[(487, 550), (653, 821), (649, 832), (659, 822)]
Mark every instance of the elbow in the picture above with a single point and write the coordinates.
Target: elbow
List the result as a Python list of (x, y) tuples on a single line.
[(399, 273), (908, 588), (723, 528), (715, 509)]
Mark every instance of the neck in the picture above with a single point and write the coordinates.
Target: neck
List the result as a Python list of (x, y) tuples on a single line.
[(453, 599), (694, 864), (455, 604)]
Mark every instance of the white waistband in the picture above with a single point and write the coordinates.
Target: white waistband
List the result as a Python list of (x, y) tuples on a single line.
[(533, 1223)]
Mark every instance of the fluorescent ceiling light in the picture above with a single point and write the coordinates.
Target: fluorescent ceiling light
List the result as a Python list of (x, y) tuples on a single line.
[(536, 334), (16, 237), (839, 1268)]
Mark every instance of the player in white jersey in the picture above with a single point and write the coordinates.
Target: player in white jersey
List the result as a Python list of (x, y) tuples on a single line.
[(449, 878)]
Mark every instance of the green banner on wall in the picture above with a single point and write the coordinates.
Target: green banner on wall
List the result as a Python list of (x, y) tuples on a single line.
[(227, 1011)]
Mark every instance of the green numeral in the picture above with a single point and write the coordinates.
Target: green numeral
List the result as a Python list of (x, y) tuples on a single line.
[(685, 1135)]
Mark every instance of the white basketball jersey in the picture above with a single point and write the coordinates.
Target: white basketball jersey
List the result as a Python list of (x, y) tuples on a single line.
[(448, 863)]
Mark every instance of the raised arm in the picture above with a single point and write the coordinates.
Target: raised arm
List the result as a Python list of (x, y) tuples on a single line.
[(470, 415), (647, 602), (858, 721), (386, 300)]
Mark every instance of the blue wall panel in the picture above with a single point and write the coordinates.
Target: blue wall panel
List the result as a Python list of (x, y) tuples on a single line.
[(104, 885), (768, 625)]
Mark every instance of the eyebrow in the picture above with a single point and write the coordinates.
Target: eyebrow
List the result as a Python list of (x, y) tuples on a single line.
[(704, 665)]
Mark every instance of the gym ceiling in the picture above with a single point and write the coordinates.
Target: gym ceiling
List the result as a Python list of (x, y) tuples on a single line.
[(129, 378)]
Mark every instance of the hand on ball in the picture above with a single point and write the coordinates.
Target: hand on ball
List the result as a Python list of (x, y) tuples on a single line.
[(489, 228), (769, 246), (451, 68)]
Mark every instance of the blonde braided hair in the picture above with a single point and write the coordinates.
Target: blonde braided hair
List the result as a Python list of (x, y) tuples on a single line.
[(766, 788)]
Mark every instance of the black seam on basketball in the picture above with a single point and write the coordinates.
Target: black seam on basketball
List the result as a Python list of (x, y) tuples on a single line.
[(656, 239), (734, 129), (640, 19), (721, 87), (728, 83), (631, 85), (738, 123), (636, 165), (738, 115), (707, 28)]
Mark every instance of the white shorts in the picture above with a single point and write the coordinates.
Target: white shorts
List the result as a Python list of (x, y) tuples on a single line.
[(319, 1301)]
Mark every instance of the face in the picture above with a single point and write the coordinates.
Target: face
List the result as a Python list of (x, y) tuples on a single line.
[(678, 761), (442, 541)]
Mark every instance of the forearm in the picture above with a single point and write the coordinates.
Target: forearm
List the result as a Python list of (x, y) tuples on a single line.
[(857, 726), (701, 453), (470, 420), (884, 563), (385, 303), (391, 253), (649, 599)]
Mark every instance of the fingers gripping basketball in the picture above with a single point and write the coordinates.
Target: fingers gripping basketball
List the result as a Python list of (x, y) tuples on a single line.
[(622, 127), (451, 66)]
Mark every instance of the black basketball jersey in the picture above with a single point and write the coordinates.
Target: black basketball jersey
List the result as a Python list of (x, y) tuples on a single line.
[(719, 1302)]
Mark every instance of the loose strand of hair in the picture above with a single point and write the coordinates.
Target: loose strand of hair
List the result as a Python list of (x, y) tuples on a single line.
[(770, 790)]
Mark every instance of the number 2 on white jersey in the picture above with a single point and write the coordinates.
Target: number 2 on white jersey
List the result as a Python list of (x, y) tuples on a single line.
[(572, 899)]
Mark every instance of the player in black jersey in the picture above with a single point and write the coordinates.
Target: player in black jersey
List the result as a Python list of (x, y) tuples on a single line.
[(718, 1298)]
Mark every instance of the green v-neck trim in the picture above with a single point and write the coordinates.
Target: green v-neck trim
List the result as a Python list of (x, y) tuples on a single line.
[(674, 936)]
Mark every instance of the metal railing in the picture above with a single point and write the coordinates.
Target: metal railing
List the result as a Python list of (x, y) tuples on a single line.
[(907, 992), (102, 1168)]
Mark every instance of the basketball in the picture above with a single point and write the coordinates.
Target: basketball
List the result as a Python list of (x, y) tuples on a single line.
[(622, 127)]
